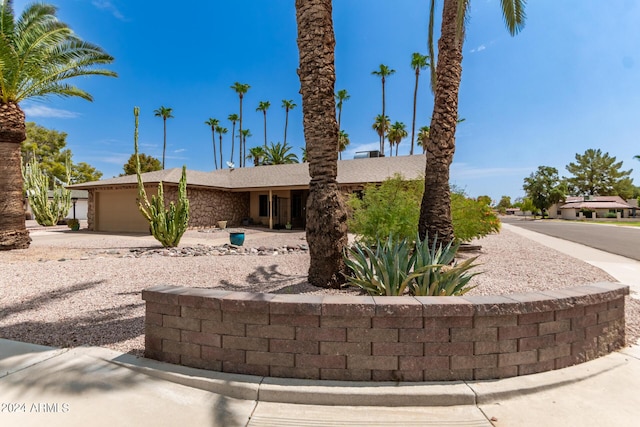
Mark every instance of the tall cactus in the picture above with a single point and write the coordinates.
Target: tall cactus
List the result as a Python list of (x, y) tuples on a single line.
[(167, 225), (36, 185)]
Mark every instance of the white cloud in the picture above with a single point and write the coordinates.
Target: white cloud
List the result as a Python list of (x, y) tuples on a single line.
[(109, 7), (42, 111), (179, 150), (478, 49), (462, 170)]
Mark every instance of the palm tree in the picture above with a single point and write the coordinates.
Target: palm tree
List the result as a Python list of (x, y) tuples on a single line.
[(233, 118), (304, 154), (383, 72), (38, 54), (341, 96), (279, 154), (264, 106), (244, 134), (326, 214), (257, 154), (423, 135), (418, 62), (343, 141), (397, 133), (241, 89), (287, 105), (381, 126), (435, 210), (213, 123), (221, 131), (165, 113)]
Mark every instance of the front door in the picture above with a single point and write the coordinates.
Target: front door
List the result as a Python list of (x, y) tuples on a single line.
[(299, 208)]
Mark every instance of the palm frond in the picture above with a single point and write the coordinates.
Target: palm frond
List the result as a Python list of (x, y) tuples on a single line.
[(514, 15)]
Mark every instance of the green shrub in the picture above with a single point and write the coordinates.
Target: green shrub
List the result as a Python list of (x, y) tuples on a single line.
[(393, 207), (611, 215), (390, 208), (393, 268)]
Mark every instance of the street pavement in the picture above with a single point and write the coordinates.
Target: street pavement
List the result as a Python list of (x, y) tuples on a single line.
[(615, 239), (100, 387)]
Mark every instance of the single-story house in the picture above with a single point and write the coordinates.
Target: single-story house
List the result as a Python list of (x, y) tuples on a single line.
[(270, 195), (594, 207), (79, 204)]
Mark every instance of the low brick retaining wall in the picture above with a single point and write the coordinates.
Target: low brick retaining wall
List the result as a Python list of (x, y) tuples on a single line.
[(364, 338)]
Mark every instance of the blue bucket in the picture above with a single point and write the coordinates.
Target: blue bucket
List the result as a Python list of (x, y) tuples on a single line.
[(237, 238)]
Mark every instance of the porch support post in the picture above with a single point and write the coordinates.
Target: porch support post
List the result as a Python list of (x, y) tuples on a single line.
[(270, 210)]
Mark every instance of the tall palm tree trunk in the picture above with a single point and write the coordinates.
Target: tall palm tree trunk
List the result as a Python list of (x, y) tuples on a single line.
[(286, 124), (215, 155), (233, 139), (164, 145), (14, 234), (240, 136), (326, 214), (220, 135), (383, 117), (415, 102), (265, 128), (435, 210)]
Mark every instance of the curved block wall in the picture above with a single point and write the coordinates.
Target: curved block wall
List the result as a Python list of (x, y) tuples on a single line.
[(363, 338)]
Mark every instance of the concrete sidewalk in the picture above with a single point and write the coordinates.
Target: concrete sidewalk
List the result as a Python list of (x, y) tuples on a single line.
[(99, 387)]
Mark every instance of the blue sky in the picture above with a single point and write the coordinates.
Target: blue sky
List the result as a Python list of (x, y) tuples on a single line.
[(568, 82)]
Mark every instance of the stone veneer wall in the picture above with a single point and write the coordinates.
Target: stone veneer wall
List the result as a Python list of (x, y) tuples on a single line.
[(206, 206), (339, 337)]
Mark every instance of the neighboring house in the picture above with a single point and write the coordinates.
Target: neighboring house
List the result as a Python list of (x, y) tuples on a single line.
[(269, 195), (81, 199), (594, 207)]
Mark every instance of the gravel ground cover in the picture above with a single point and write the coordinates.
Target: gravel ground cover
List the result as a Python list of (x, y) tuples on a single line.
[(82, 288)]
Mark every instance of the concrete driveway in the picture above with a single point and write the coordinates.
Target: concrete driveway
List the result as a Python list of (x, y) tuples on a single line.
[(619, 240)]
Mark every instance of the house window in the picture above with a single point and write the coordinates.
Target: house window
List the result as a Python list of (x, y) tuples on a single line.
[(264, 205)]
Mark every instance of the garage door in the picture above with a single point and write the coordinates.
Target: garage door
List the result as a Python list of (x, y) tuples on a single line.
[(117, 211)]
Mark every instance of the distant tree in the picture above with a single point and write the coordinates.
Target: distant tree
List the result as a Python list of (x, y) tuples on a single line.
[(527, 206), (165, 113), (381, 126), (343, 142), (418, 62), (287, 105), (279, 154), (221, 130), (397, 133), (504, 204), (233, 118), (544, 188), (47, 146), (241, 89), (341, 96), (264, 106), (84, 172), (244, 134), (423, 136), (383, 72), (257, 154), (213, 123), (147, 164), (597, 173)]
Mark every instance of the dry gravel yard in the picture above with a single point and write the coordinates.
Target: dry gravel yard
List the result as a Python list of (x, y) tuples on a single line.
[(70, 289)]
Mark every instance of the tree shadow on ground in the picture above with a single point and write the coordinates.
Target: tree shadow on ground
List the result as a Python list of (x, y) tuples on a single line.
[(267, 279)]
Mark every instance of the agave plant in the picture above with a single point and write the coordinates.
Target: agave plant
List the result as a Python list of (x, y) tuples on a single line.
[(438, 276), (393, 268)]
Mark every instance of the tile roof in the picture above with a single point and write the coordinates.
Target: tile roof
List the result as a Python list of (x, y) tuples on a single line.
[(354, 171), (595, 205)]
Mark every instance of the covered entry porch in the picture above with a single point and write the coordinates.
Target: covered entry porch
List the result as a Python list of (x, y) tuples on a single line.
[(279, 208)]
